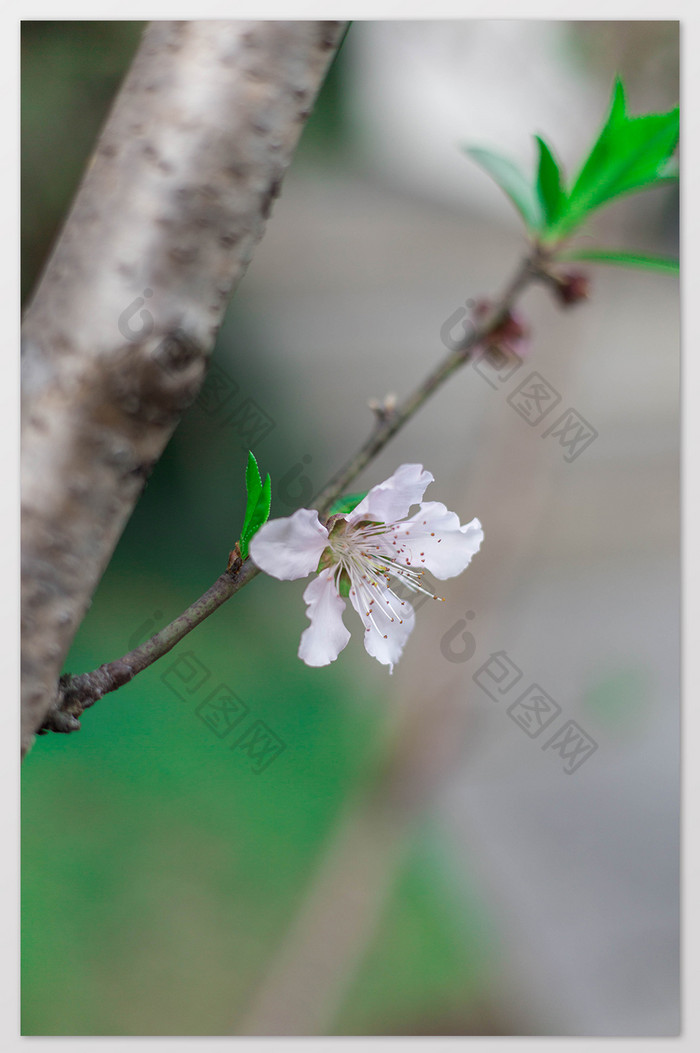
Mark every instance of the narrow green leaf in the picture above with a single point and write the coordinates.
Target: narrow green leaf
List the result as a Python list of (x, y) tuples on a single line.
[(347, 503), (549, 184), (258, 516), (265, 500), (262, 508), (593, 167), (253, 484), (257, 505), (512, 182), (644, 146), (666, 264), (630, 154)]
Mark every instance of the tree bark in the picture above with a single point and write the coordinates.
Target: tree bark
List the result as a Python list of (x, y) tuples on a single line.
[(117, 336)]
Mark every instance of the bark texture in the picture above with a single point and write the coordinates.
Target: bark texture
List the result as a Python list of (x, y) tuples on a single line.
[(117, 336)]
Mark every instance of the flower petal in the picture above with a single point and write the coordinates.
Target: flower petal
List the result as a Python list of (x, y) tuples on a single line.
[(433, 539), (388, 621), (326, 637), (393, 499), (290, 548)]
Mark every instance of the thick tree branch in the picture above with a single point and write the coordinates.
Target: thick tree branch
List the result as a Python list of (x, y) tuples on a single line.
[(118, 333)]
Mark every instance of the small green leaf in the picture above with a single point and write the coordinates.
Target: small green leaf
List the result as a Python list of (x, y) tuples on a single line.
[(262, 509), (253, 485), (666, 264), (593, 167), (512, 182), (549, 184), (347, 503), (630, 154), (258, 504)]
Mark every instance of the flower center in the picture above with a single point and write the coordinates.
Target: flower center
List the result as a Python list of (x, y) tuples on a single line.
[(366, 556), (373, 553)]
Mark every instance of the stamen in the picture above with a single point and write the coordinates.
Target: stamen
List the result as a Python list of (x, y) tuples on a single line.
[(363, 555)]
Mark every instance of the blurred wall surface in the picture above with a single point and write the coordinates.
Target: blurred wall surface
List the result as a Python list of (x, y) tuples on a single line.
[(528, 891)]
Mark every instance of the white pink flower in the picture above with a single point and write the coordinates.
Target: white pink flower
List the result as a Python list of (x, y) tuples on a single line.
[(360, 556)]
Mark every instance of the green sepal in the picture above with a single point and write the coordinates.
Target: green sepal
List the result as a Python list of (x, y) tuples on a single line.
[(258, 503), (345, 504)]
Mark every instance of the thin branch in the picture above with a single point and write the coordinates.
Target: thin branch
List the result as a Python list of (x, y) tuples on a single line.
[(391, 422), (77, 693)]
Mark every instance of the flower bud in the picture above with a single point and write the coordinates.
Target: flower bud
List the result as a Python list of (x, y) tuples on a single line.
[(572, 287)]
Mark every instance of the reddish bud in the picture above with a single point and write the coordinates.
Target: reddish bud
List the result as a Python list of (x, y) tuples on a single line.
[(509, 339), (572, 287)]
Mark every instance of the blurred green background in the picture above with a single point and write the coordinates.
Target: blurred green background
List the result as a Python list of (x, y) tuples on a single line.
[(162, 875)]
